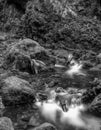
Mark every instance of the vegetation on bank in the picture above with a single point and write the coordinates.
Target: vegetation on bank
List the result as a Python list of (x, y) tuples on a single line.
[(55, 24)]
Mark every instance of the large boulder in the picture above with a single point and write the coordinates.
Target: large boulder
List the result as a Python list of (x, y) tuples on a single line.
[(33, 49), (6, 124), (20, 54), (26, 46), (30, 46), (16, 91)]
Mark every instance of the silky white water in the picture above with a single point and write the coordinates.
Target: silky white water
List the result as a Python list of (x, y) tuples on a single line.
[(76, 68), (50, 111)]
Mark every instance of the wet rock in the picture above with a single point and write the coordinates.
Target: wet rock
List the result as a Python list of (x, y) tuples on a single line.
[(53, 83), (16, 91), (87, 65), (60, 89), (45, 126), (62, 56), (6, 124), (34, 121), (61, 53), (92, 92), (95, 106)]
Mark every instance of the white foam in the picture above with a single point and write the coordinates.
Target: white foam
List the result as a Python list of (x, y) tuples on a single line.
[(73, 116), (76, 68), (48, 110)]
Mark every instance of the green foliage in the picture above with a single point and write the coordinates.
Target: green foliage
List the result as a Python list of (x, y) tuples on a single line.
[(39, 20), (9, 17), (45, 22), (42, 23)]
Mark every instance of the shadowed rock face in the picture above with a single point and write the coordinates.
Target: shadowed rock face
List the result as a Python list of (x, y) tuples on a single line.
[(95, 106), (26, 46), (19, 4), (16, 91)]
